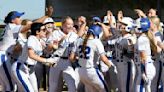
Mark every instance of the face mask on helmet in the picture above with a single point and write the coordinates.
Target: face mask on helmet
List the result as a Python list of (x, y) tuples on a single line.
[(142, 25), (95, 30)]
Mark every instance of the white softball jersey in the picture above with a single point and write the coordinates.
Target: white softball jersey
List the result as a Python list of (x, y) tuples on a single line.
[(9, 36), (93, 45)]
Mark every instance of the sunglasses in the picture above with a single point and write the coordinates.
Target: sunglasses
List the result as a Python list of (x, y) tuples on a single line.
[(44, 30)]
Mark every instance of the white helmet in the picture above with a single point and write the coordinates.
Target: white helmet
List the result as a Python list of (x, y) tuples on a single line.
[(129, 22), (48, 20)]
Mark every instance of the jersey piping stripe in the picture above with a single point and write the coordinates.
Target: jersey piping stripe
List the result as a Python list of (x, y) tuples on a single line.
[(20, 77), (128, 77), (7, 72), (141, 85), (142, 81), (106, 88)]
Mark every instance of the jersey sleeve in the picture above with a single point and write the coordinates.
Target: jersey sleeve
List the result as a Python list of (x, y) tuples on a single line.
[(31, 43), (100, 47)]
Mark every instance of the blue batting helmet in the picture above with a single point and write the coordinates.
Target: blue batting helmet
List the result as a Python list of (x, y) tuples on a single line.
[(95, 30), (143, 24)]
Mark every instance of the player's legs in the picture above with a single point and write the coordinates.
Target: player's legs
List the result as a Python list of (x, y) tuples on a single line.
[(139, 83), (21, 74), (122, 75), (33, 81), (154, 86), (110, 77), (133, 74), (150, 73), (39, 72), (94, 78), (85, 80), (71, 79), (5, 69), (55, 79), (15, 78)]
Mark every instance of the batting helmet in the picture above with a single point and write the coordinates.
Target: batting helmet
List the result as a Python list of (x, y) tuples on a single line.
[(129, 22), (143, 24), (95, 30)]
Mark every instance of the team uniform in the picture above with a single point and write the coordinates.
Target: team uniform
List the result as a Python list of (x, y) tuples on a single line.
[(23, 69), (9, 40), (125, 64), (63, 69), (145, 71), (110, 76), (88, 71), (123, 56), (148, 69), (23, 42), (158, 65)]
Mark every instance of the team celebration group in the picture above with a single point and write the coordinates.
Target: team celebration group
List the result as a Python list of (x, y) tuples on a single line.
[(109, 54)]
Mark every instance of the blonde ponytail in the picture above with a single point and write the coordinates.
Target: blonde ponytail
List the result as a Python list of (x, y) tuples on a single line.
[(152, 42)]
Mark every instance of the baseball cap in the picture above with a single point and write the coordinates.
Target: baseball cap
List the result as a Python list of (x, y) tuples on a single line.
[(48, 20), (96, 19), (16, 14)]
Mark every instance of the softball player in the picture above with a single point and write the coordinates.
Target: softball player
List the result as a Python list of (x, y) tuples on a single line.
[(64, 70), (10, 35), (143, 61), (23, 69), (124, 55), (155, 30), (110, 76), (40, 68), (88, 71)]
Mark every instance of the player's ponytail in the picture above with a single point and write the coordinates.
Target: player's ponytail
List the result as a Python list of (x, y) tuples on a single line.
[(8, 17), (152, 42), (85, 42)]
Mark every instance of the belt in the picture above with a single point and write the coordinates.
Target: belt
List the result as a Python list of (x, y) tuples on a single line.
[(29, 66), (62, 57)]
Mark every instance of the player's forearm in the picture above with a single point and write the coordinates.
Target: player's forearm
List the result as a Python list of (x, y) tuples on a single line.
[(143, 56), (161, 45), (32, 55), (72, 57), (81, 30), (105, 60)]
